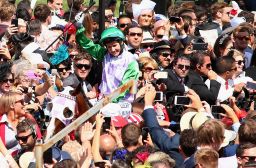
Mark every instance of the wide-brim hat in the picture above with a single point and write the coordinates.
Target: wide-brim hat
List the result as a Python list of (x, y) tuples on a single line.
[(229, 136), (147, 38), (163, 44), (26, 158), (193, 120)]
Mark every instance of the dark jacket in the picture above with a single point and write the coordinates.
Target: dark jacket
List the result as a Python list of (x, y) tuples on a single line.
[(195, 82), (169, 145), (174, 87)]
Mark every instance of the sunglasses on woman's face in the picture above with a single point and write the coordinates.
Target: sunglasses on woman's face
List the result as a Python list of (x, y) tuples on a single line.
[(8, 80), (240, 62), (148, 69), (62, 69)]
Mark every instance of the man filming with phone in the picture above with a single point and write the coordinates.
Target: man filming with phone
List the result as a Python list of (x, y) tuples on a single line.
[(166, 143)]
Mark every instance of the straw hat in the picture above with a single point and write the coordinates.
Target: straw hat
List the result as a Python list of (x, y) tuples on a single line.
[(25, 159)]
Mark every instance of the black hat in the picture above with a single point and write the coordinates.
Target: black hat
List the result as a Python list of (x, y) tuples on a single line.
[(163, 44)]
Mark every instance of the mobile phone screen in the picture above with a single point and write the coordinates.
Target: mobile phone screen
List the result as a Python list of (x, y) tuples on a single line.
[(144, 132), (182, 100), (159, 96), (106, 124), (217, 109)]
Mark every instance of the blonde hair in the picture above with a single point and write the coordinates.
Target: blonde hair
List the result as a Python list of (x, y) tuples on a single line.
[(145, 61), (6, 101), (160, 157), (207, 158)]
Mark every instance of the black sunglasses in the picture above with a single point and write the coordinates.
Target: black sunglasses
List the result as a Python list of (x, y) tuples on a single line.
[(183, 66), (62, 69), (134, 34), (8, 80), (20, 101), (165, 54), (240, 62), (123, 25), (148, 69), (247, 38), (85, 66), (208, 65), (23, 138), (148, 46), (159, 36)]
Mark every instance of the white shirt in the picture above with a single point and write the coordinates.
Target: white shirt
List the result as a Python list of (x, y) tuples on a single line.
[(11, 142), (228, 162), (242, 79), (224, 93)]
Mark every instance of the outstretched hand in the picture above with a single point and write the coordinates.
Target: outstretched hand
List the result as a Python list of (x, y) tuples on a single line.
[(150, 94)]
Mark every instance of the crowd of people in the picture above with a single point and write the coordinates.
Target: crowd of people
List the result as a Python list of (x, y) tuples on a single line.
[(195, 76)]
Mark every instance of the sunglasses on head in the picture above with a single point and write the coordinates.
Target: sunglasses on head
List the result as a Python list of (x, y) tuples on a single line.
[(243, 38), (240, 62), (183, 66), (23, 138), (62, 69), (8, 80), (159, 36), (123, 25), (85, 66), (134, 34), (148, 46)]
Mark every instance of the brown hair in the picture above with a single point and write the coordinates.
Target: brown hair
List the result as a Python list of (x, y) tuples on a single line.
[(212, 131), (241, 28), (207, 158), (247, 131), (82, 54), (41, 12), (7, 10), (130, 135), (218, 7)]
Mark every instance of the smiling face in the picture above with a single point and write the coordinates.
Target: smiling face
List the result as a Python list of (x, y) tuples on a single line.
[(64, 71), (19, 106), (239, 64), (6, 84), (82, 68), (114, 48), (165, 57)]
